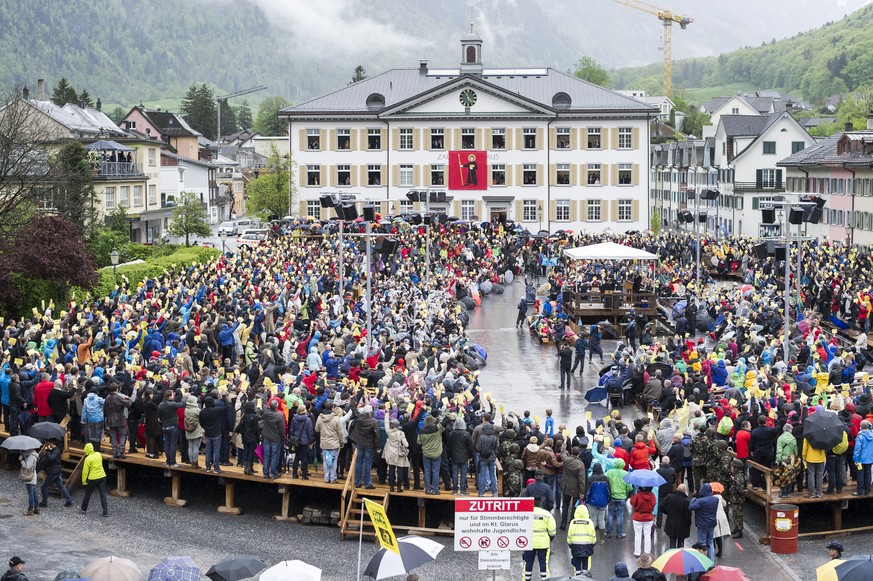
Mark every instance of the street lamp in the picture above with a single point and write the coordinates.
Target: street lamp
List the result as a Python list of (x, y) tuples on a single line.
[(223, 235), (113, 258)]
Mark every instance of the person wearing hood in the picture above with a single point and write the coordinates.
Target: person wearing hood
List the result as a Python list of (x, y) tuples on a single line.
[(705, 506), (94, 478), (486, 449), (29, 460), (618, 493), (430, 438), (530, 458), (92, 418), (193, 431), (396, 453), (211, 420), (621, 572), (365, 436), (719, 374), (302, 436), (459, 449), (330, 430), (863, 458), (581, 536), (643, 504), (250, 431)]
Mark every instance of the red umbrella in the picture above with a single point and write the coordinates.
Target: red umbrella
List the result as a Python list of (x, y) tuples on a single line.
[(723, 573)]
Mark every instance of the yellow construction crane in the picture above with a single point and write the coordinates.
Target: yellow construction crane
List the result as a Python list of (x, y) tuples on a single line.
[(667, 18)]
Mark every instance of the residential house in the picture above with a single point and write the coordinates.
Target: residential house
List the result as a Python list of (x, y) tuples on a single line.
[(680, 170), (169, 128)]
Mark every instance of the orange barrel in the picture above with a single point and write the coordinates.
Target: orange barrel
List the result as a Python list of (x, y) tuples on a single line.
[(783, 528)]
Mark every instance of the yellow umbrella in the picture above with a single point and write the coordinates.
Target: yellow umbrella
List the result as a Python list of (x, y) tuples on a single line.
[(827, 572)]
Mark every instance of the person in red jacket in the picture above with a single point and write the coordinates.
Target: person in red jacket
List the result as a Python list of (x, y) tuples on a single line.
[(741, 439), (620, 452), (40, 398), (643, 503), (639, 456)]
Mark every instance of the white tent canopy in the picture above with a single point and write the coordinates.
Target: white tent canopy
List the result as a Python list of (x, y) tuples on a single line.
[(608, 251)]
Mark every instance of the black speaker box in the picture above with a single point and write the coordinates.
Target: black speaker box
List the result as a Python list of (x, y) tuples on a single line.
[(369, 213), (327, 201), (701, 217), (347, 212), (780, 253), (761, 251), (812, 214), (768, 216), (795, 216)]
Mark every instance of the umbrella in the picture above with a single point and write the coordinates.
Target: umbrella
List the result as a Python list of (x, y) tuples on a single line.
[(47, 431), (481, 351), (508, 277), (414, 552), (823, 430), (236, 568), (106, 145), (682, 561), (485, 286), (828, 572), (291, 571), (724, 573), (666, 368), (21, 443), (596, 395), (111, 569), (679, 307), (857, 568), (66, 575), (175, 568), (644, 478)]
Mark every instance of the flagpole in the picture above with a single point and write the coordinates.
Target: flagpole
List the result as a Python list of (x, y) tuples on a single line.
[(361, 523)]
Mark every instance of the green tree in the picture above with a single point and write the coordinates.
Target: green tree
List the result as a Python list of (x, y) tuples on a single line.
[(198, 109), (273, 191), (590, 70), (244, 116), (189, 217), (267, 121), (655, 222), (359, 75), (228, 119), (85, 98), (117, 115), (64, 93), (74, 196)]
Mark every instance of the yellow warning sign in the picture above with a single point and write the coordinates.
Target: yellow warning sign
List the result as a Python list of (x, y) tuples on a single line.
[(384, 532)]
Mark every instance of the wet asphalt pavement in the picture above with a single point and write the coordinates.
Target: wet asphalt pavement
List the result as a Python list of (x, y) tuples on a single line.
[(521, 374)]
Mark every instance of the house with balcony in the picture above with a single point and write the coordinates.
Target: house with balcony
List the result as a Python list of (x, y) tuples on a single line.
[(681, 169), (166, 127)]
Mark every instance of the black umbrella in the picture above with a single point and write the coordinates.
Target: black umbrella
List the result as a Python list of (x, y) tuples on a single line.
[(47, 431), (236, 568), (666, 368), (858, 568), (823, 430)]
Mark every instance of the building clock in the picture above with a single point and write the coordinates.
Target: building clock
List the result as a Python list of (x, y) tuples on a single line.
[(468, 97)]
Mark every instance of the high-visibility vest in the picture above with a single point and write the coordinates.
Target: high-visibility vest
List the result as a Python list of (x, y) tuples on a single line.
[(581, 532), (543, 528)]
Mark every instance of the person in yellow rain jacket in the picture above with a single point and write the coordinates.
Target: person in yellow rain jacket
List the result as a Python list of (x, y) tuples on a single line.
[(544, 529), (815, 468), (581, 537), (93, 478)]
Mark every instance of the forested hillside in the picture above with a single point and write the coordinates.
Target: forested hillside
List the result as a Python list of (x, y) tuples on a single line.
[(835, 58)]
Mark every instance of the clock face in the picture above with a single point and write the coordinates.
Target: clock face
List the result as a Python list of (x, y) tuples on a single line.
[(468, 97)]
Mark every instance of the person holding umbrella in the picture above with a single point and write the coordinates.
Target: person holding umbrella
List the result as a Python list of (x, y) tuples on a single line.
[(814, 458), (643, 504), (51, 463), (27, 474)]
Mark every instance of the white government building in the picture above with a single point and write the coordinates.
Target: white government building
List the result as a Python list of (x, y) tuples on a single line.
[(533, 145)]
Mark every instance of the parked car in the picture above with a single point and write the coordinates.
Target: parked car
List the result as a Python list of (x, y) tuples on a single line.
[(252, 238), (228, 228)]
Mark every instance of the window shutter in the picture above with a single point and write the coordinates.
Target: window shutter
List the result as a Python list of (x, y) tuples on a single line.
[(426, 176), (635, 138), (584, 178), (635, 174), (332, 140), (383, 176), (353, 176), (478, 209), (540, 137), (322, 139), (302, 176), (614, 210), (302, 208), (363, 135), (303, 143), (635, 210), (755, 203), (395, 175), (553, 138), (395, 139), (322, 175), (518, 177), (416, 138), (456, 208), (540, 176), (614, 138), (614, 171), (519, 137), (759, 178), (353, 139), (480, 139), (604, 138), (553, 174), (573, 181), (583, 135), (416, 175), (456, 138), (604, 212), (574, 210), (574, 136), (519, 216), (553, 211), (507, 136), (778, 178), (363, 170), (486, 142), (332, 179)]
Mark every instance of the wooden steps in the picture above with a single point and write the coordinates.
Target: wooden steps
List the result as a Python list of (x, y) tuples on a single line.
[(356, 521)]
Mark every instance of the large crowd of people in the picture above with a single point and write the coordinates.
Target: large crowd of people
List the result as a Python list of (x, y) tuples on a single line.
[(260, 358)]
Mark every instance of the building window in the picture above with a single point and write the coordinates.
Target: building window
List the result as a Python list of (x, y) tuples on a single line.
[(137, 195), (624, 210), (153, 194), (735, 111), (313, 139), (625, 140), (468, 209), (313, 175), (437, 175), (769, 148), (436, 138), (498, 139), (406, 206), (797, 146), (498, 174), (563, 174), (594, 138), (594, 211), (374, 175), (313, 208), (110, 198), (153, 155), (562, 210), (529, 210), (768, 178), (406, 138), (374, 139), (344, 175), (124, 196), (562, 137), (405, 175), (468, 138), (529, 174), (593, 177), (530, 137), (343, 139), (624, 174)]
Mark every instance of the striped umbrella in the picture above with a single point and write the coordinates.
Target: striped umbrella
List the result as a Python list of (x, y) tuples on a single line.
[(682, 562), (414, 552)]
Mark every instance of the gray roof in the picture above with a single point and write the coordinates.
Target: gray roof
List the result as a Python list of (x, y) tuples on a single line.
[(745, 125), (715, 104), (760, 104), (401, 85), (825, 152)]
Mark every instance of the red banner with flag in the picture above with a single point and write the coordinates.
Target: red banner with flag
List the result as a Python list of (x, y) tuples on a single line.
[(468, 170)]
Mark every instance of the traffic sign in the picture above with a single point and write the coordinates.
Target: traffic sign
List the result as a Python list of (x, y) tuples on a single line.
[(502, 523)]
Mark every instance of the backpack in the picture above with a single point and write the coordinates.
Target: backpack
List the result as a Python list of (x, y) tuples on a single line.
[(725, 425), (598, 494)]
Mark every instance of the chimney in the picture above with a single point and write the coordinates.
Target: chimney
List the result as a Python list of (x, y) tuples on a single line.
[(849, 126), (422, 67), (870, 120), (25, 93), (40, 89), (99, 104)]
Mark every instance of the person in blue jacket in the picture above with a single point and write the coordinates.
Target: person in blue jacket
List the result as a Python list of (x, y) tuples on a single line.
[(705, 506), (226, 340), (863, 455)]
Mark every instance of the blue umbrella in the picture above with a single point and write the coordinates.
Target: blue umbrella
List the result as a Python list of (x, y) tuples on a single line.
[(648, 478), (175, 569), (480, 350), (596, 395)]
